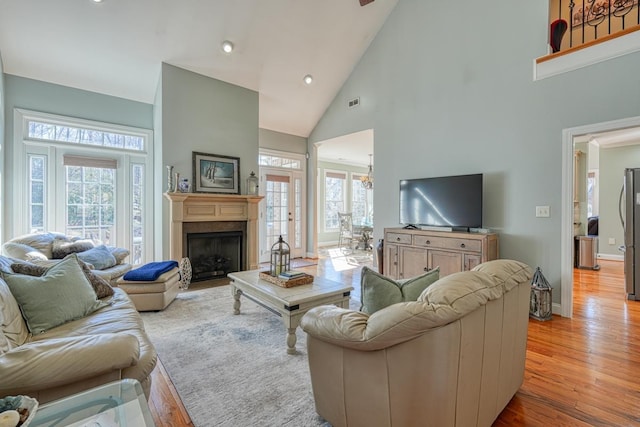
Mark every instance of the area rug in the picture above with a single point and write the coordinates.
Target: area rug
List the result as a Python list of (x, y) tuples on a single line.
[(232, 370)]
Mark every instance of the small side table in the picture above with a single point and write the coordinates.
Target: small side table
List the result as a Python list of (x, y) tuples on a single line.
[(120, 403)]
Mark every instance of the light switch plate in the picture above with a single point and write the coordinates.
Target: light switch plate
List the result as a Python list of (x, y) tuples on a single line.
[(542, 211)]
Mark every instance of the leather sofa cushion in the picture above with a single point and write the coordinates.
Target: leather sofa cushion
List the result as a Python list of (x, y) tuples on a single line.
[(39, 241), (14, 330), (22, 251), (378, 291), (506, 273)]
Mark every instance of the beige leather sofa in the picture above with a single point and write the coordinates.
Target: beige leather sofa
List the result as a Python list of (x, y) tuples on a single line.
[(37, 248), (108, 345), (455, 357)]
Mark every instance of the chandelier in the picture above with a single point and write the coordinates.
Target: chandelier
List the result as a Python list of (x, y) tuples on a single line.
[(367, 181)]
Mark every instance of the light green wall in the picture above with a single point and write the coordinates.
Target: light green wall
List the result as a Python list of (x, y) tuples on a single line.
[(202, 114), (282, 141), (613, 161), (446, 100), (191, 112), (45, 97), (332, 237), (3, 205)]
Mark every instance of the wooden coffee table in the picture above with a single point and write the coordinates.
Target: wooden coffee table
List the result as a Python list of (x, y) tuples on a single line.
[(289, 303)]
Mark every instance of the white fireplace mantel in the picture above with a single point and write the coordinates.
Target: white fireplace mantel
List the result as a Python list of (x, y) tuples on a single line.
[(201, 207)]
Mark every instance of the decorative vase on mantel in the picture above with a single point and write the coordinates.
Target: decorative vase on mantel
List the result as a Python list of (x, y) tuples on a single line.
[(176, 182), (170, 185)]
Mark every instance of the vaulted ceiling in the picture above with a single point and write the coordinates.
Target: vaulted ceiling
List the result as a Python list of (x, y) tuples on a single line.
[(116, 47)]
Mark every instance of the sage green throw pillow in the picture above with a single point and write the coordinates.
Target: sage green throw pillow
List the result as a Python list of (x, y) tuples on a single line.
[(378, 291), (61, 295)]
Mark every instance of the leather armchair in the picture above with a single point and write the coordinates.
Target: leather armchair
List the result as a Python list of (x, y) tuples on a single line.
[(455, 357)]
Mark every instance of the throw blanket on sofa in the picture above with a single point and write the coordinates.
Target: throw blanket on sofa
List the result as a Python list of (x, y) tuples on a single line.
[(150, 272)]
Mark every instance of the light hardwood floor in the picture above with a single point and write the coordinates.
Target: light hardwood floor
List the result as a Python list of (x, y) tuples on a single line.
[(583, 371)]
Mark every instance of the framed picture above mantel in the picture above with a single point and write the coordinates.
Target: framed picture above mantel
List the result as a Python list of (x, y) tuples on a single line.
[(213, 173)]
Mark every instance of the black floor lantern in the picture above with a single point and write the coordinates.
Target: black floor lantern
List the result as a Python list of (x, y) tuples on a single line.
[(540, 300)]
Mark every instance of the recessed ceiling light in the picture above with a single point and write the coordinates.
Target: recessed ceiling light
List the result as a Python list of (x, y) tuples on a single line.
[(308, 79), (227, 46), (97, 1)]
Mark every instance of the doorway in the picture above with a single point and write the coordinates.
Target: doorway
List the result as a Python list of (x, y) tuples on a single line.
[(344, 183), (623, 132), (282, 184)]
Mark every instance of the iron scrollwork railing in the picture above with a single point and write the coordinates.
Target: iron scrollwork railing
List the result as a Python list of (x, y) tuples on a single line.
[(588, 20)]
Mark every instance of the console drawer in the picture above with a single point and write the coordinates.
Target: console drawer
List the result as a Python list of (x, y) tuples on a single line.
[(447, 243), (398, 238)]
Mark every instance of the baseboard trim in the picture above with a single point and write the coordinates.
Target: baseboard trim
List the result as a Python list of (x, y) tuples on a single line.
[(610, 257)]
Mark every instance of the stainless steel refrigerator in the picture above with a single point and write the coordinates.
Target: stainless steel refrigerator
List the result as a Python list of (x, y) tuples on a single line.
[(630, 218)]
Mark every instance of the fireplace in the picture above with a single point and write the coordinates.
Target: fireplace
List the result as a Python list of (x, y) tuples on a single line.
[(213, 255), (227, 217)]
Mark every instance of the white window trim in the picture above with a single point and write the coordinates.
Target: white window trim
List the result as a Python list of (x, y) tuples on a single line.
[(54, 150)]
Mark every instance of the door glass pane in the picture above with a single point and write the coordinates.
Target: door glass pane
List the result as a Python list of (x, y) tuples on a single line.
[(277, 209), (297, 213), (90, 203), (137, 206)]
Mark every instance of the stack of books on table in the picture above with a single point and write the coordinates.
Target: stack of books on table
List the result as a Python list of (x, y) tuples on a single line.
[(291, 274)]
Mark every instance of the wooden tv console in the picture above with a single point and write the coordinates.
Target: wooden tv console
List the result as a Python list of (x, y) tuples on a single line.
[(409, 253)]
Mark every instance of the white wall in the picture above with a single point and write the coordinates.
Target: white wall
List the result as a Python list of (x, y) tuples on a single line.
[(448, 89)]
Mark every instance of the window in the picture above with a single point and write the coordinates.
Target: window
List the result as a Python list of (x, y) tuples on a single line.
[(39, 130), (592, 193), (279, 161), (37, 173), (85, 179), (90, 198), (361, 201), (334, 199)]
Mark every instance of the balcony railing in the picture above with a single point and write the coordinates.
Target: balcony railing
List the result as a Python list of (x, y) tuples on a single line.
[(578, 23)]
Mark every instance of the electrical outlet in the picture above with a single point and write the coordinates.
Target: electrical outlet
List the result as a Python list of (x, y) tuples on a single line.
[(612, 240), (542, 211)]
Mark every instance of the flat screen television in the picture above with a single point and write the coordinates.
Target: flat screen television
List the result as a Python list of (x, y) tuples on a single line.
[(448, 201)]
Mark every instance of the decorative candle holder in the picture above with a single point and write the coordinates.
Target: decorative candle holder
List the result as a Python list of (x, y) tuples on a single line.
[(280, 258)]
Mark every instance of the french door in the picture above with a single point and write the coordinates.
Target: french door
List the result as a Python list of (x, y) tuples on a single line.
[(282, 213)]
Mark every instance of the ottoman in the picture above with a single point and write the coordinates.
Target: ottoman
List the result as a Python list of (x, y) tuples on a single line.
[(153, 295)]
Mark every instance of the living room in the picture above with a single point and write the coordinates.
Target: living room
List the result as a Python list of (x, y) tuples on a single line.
[(441, 100)]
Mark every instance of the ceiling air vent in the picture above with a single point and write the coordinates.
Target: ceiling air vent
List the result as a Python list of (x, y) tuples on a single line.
[(354, 102)]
